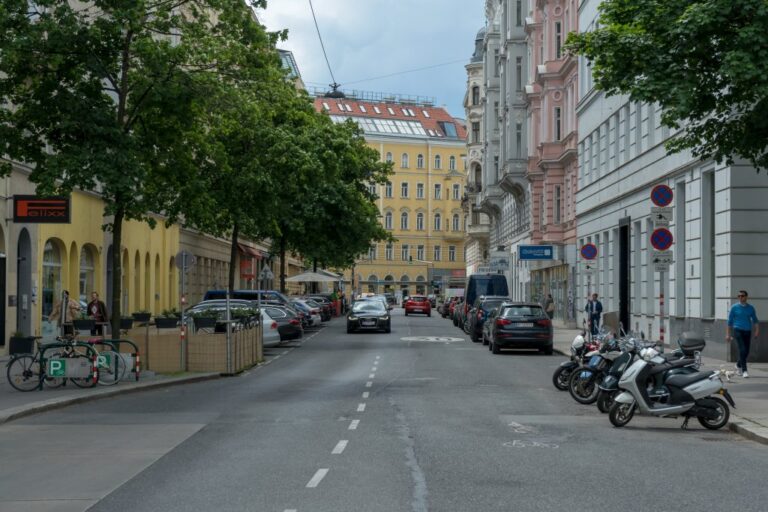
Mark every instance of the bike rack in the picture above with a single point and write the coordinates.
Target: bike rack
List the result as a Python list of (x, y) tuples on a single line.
[(50, 346), (134, 356)]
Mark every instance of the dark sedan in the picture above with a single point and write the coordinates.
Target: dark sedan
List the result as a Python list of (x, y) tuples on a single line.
[(369, 315), (520, 326), (288, 324), (483, 307)]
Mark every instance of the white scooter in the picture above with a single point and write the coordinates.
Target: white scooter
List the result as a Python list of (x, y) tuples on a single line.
[(691, 396)]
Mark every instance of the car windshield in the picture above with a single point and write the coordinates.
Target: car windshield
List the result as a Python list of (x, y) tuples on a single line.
[(368, 306), (491, 304), (418, 299), (520, 311)]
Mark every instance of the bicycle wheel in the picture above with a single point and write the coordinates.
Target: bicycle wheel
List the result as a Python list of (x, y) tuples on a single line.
[(24, 373), (83, 382), (111, 367), (53, 382)]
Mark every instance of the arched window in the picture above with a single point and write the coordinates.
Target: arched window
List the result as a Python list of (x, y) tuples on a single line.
[(404, 161), (389, 157), (404, 220), (438, 162), (456, 222), (52, 286), (475, 95), (452, 163), (420, 161), (388, 189), (419, 222), (437, 222), (87, 273), (388, 220)]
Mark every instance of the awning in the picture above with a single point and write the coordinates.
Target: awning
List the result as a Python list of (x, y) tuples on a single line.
[(249, 251), (311, 277)]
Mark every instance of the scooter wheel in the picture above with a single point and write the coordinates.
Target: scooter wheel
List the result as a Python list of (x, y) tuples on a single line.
[(605, 401), (561, 376), (621, 413), (724, 413), (582, 385)]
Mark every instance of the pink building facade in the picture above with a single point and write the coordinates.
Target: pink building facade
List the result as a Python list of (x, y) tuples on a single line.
[(552, 168)]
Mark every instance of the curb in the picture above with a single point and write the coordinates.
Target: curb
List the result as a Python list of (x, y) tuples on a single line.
[(749, 430), (58, 403)]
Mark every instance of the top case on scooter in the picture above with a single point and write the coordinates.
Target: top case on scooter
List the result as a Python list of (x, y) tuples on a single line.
[(691, 342)]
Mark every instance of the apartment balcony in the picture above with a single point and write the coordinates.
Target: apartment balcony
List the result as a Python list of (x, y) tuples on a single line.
[(491, 200), (479, 232), (513, 179)]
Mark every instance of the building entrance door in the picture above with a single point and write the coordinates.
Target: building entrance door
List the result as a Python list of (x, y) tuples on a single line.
[(23, 284), (624, 272)]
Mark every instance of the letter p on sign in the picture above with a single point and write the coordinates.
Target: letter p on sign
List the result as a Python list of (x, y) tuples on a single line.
[(57, 368)]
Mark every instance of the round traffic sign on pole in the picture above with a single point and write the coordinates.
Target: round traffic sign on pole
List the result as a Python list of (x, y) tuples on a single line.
[(661, 239), (589, 251), (662, 195)]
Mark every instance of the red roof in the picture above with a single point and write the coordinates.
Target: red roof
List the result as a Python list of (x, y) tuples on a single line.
[(429, 117)]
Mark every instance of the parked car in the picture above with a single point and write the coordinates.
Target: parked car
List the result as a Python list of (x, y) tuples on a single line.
[(312, 313), (520, 325), (483, 284), (289, 324), (445, 307), (432, 300), (263, 295), (219, 307), (455, 310), (271, 334), (480, 311), (418, 304), (325, 303), (368, 315)]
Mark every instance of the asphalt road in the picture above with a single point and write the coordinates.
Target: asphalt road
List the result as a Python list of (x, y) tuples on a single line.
[(372, 422)]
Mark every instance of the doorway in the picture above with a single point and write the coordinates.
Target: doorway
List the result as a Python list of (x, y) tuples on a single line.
[(624, 249), (23, 284)]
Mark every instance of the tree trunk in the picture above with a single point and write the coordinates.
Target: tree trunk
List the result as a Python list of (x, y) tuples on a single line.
[(117, 271), (233, 257), (314, 285), (282, 265)]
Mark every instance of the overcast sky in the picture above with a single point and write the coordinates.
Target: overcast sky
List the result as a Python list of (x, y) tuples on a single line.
[(371, 38)]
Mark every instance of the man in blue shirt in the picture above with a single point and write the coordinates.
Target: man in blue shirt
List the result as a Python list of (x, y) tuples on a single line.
[(741, 319)]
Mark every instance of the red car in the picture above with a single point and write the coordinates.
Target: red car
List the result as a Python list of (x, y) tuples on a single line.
[(418, 304)]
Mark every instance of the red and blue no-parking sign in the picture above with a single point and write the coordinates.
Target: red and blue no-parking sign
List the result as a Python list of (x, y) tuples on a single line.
[(661, 239), (589, 251), (662, 195)]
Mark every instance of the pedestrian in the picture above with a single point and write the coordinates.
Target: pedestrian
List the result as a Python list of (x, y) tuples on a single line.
[(70, 309), (742, 319), (549, 306), (98, 311), (594, 309)]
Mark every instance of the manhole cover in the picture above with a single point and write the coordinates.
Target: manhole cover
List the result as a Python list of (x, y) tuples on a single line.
[(432, 339)]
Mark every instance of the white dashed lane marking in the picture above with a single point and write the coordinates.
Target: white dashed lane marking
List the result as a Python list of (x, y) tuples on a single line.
[(353, 424), (366, 394), (360, 407), (369, 384), (371, 376), (317, 478), (339, 448)]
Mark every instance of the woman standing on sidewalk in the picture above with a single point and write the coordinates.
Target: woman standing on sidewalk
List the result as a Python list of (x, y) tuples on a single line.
[(741, 319)]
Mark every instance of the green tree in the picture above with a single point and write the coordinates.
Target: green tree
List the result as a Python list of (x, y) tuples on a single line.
[(99, 96), (704, 61)]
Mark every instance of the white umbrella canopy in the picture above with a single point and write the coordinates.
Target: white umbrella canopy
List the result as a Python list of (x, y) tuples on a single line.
[(311, 277)]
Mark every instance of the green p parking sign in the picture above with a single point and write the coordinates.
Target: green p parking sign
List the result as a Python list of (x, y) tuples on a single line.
[(57, 368)]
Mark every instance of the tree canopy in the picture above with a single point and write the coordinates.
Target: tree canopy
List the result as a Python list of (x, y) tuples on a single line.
[(704, 61)]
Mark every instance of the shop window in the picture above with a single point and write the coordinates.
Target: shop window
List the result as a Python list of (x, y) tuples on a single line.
[(52, 285)]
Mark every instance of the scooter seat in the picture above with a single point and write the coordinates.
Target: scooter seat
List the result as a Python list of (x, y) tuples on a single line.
[(683, 380)]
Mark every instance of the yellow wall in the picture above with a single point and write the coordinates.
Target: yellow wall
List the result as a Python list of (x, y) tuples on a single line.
[(148, 257), (447, 206)]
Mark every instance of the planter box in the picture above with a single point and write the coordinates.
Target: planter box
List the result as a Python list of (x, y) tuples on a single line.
[(205, 323), (166, 322), (23, 345), (84, 324), (126, 323), (142, 317)]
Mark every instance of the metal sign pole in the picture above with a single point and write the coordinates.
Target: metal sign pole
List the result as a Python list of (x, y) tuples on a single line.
[(661, 306), (183, 333), (229, 335), (589, 312)]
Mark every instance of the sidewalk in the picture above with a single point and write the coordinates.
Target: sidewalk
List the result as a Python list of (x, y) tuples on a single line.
[(749, 418)]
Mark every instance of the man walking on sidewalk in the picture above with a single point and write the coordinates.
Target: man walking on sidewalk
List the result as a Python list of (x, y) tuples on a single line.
[(594, 309), (741, 319)]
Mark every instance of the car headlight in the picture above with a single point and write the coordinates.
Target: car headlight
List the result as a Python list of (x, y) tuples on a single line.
[(385, 318), (352, 318)]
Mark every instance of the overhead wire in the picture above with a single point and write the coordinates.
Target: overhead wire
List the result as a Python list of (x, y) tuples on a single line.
[(335, 85), (407, 71)]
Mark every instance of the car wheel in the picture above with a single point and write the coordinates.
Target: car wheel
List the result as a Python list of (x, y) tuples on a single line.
[(495, 348), (429, 314), (548, 351), (349, 330), (388, 329), (474, 337), (406, 313)]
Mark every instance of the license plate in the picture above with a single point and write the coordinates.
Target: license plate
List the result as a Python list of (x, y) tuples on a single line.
[(524, 324), (369, 322)]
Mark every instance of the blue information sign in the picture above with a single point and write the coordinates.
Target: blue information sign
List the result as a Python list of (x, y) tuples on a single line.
[(536, 252)]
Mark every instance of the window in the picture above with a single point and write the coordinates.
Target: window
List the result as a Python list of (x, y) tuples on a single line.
[(519, 140), (388, 251), (377, 110), (87, 274), (558, 123), (558, 204), (475, 132), (404, 189), (518, 73), (388, 189), (456, 191), (405, 252), (372, 253), (451, 253), (372, 189), (404, 161), (438, 161), (388, 220), (326, 107), (438, 222), (519, 13), (426, 114), (391, 112), (420, 252), (437, 253), (452, 163), (52, 286), (438, 191), (456, 222), (362, 109), (389, 157), (404, 220), (495, 111), (496, 62), (419, 222), (496, 164), (419, 191), (558, 39), (420, 161), (475, 95)]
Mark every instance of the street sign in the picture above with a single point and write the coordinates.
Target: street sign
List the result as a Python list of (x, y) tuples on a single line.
[(535, 252), (589, 251), (661, 216), (661, 239), (266, 274), (499, 261), (185, 258), (661, 260), (661, 195)]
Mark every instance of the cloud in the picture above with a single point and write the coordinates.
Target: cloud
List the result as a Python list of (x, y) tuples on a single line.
[(370, 38)]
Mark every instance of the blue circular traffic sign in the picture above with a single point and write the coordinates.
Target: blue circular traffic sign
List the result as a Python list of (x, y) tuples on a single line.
[(661, 239), (589, 251), (662, 195)]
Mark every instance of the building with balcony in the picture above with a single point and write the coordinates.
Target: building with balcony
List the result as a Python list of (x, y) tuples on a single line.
[(421, 204)]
